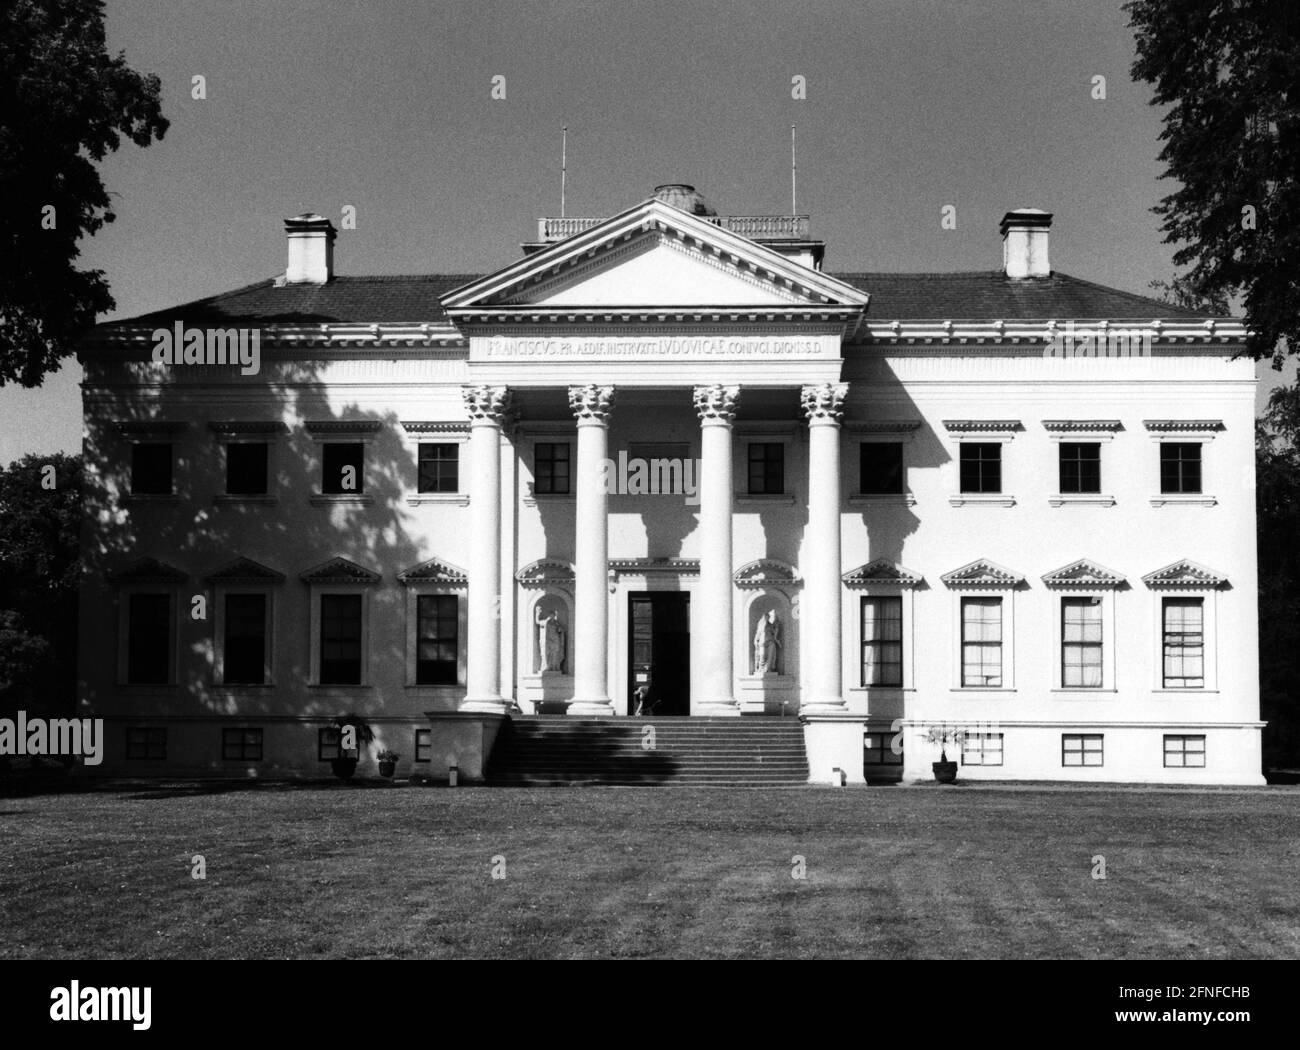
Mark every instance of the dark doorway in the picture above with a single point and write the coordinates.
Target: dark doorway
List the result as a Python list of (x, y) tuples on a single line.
[(659, 651)]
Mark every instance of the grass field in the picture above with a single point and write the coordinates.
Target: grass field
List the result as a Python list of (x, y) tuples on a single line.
[(336, 871)]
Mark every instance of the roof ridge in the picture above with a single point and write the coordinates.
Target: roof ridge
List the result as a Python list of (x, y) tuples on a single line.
[(254, 286), (1183, 310)]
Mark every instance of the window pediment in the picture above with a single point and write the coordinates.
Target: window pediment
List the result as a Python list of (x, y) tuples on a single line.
[(1184, 574), (340, 570), (982, 573), (544, 571), (435, 570), (882, 571), (1084, 573), (764, 572), (245, 570), (149, 570)]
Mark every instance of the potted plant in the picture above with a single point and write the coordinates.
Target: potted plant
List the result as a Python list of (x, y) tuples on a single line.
[(361, 734), (387, 762), (945, 772)]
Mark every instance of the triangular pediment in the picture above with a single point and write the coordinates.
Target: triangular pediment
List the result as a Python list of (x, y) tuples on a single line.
[(882, 571), (339, 570), (1184, 574), (982, 573), (545, 570), (763, 572), (245, 570), (1084, 573), (149, 570), (655, 256), (435, 570)]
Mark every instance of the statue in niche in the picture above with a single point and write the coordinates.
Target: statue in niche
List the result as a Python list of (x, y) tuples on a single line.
[(767, 644), (550, 641)]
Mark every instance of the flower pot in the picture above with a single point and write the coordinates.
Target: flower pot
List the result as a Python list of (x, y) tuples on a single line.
[(387, 769), (343, 766), (944, 772)]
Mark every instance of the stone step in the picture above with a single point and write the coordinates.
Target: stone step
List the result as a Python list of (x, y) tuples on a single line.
[(555, 750)]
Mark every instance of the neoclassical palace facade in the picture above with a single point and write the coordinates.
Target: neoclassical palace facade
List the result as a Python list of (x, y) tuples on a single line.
[(665, 464)]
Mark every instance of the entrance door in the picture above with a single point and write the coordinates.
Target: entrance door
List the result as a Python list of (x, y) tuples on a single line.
[(659, 651)]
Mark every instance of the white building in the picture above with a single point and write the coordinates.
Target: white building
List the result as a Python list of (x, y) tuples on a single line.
[(668, 448)]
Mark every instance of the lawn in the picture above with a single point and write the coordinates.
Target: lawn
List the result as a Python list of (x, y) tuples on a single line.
[(892, 872)]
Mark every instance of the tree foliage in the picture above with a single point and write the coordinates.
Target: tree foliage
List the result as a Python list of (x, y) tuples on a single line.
[(65, 104), (1277, 473), (1229, 71), (39, 575)]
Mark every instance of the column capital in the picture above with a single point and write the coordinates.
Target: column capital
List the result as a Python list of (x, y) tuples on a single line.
[(591, 403), (824, 402), (487, 404), (716, 403)]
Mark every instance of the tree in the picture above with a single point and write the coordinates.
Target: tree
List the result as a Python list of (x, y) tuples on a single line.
[(64, 105), (1277, 478), (1228, 71), (40, 522), (1179, 292)]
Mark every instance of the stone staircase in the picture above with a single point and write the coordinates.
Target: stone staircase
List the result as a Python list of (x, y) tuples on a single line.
[(540, 750)]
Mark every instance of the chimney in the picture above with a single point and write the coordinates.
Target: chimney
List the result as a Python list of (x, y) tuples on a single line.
[(1024, 243), (311, 249)]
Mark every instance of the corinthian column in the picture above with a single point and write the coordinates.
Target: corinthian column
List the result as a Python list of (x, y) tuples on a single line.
[(488, 407), (820, 630), (591, 408), (712, 690)]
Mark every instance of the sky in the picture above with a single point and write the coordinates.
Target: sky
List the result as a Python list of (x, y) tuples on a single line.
[(386, 106)]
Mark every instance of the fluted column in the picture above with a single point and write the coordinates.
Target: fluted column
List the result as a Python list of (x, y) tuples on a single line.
[(488, 407), (712, 633), (820, 627), (591, 408)]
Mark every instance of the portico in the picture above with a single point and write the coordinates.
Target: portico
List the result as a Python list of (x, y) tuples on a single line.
[(632, 321)]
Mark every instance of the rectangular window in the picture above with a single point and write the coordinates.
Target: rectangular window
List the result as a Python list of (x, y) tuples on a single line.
[(436, 639), (340, 639), (1184, 643), (882, 641), (439, 467), (246, 468), (241, 745), (1081, 643), (1080, 467), (424, 745), (880, 468), (148, 639), (981, 466), (981, 749), (878, 749), (1081, 749), (551, 468), (1184, 752), (342, 468), (981, 642), (148, 744), (766, 468), (1180, 467), (327, 744), (244, 658), (151, 469)]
